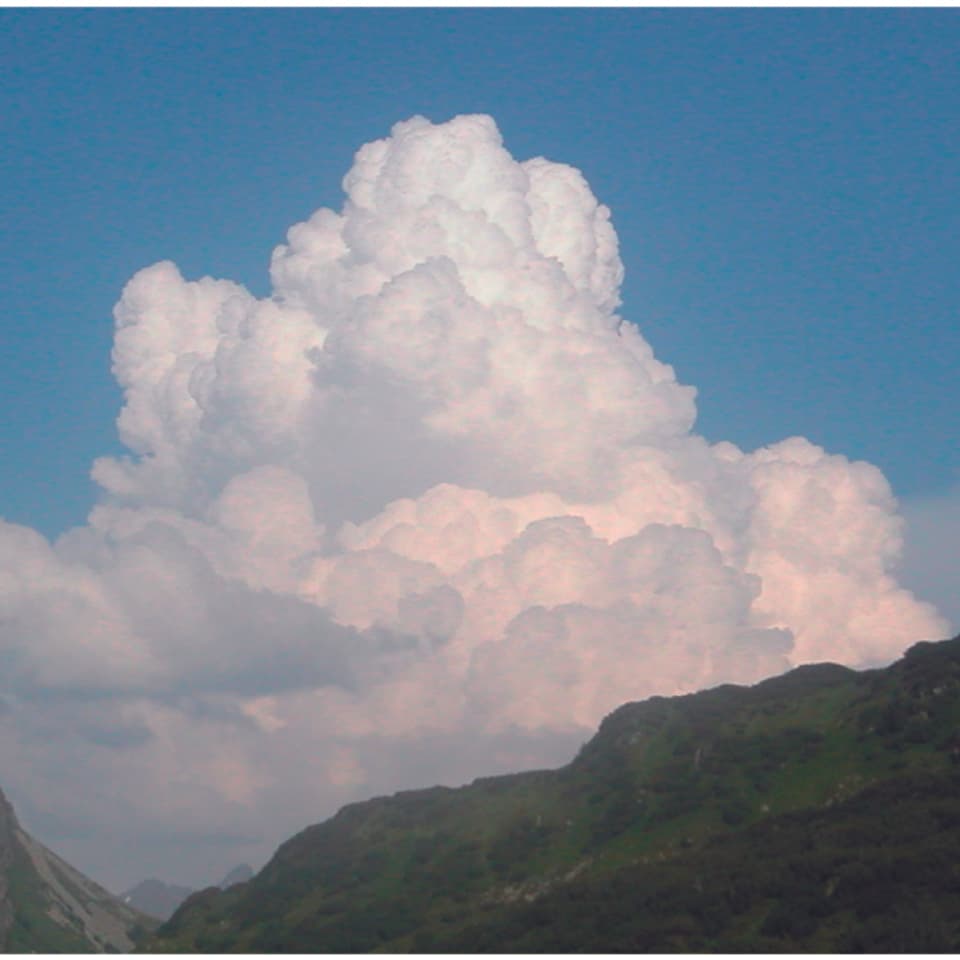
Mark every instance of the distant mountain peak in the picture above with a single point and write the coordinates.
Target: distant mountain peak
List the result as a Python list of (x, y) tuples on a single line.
[(159, 899), (239, 874), (156, 898)]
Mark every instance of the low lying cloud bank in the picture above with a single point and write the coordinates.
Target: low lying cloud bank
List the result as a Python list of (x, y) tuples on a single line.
[(429, 511)]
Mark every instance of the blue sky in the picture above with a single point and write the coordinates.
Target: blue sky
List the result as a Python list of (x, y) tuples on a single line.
[(784, 185)]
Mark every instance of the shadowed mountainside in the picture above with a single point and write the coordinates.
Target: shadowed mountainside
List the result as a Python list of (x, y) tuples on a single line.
[(817, 810)]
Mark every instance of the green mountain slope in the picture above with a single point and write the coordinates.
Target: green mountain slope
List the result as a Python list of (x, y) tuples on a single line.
[(47, 906), (736, 818)]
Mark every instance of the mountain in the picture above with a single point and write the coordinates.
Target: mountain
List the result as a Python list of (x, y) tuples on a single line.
[(158, 899), (816, 811), (47, 906), (239, 874)]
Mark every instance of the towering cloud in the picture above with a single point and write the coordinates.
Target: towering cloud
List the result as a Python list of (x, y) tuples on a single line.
[(430, 510)]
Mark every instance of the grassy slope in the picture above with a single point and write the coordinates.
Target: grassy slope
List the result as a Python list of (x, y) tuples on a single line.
[(878, 872), (717, 778)]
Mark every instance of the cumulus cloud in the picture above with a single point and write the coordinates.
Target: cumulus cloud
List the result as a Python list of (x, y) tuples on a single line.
[(428, 511)]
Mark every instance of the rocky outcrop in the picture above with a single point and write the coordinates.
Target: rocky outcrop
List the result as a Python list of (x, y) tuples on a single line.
[(48, 906), (8, 825)]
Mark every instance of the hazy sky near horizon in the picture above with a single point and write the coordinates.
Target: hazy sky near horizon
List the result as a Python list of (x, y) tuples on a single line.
[(783, 187)]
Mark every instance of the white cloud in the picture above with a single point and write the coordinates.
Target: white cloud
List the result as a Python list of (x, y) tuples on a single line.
[(429, 511)]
